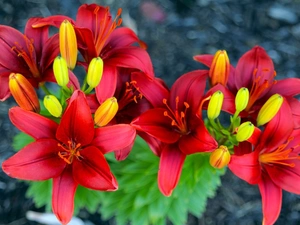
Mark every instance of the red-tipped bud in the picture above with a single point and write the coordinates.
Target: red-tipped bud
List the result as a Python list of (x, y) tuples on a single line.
[(220, 157), (23, 92), (219, 69)]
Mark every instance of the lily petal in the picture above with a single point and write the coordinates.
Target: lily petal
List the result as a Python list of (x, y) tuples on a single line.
[(36, 161), (77, 123), (4, 90), (147, 86), (131, 57), (92, 171), (32, 124), (112, 138), (170, 167), (246, 167), (189, 88), (63, 192), (271, 196), (288, 87), (123, 153), (199, 140), (157, 125), (122, 37), (295, 107), (108, 84)]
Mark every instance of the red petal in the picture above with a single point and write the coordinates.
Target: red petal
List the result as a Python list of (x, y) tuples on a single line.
[(246, 167), (112, 138), (32, 124), (288, 87), (123, 153), (152, 89), (170, 167), (278, 129), (271, 196), (131, 57), (286, 177), (36, 161), (63, 191), (157, 125), (155, 145), (256, 58), (92, 171), (204, 59), (4, 90), (39, 35), (189, 88), (85, 45), (50, 51), (295, 107), (108, 84), (122, 37), (55, 21), (76, 123), (199, 140)]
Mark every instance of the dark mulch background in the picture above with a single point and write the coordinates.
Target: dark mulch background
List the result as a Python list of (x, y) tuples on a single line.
[(183, 29)]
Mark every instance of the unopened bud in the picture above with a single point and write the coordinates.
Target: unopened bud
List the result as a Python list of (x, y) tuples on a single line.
[(215, 105), (23, 92), (241, 99), (269, 109), (106, 112), (245, 131), (68, 43), (53, 106), (95, 72), (60, 70), (220, 157), (220, 68)]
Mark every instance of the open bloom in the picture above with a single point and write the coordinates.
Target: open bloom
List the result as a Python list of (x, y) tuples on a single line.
[(70, 152), (274, 164), (177, 125), (98, 35)]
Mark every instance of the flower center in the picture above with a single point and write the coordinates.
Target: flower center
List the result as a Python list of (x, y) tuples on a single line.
[(69, 151), (131, 94), (28, 58), (178, 118), (280, 155), (104, 27)]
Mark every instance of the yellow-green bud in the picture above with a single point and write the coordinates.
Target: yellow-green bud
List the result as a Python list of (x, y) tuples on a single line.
[(60, 70), (53, 106), (95, 72), (106, 112), (68, 43), (215, 105), (241, 99), (245, 131), (220, 157), (269, 109)]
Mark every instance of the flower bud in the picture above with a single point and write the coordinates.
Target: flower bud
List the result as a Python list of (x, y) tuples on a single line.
[(23, 92), (245, 131), (269, 109), (60, 70), (53, 106), (219, 69), (95, 72), (106, 112), (215, 105), (220, 157), (68, 43), (241, 99)]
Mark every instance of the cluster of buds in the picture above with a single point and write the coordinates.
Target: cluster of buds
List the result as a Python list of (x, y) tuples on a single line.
[(250, 124)]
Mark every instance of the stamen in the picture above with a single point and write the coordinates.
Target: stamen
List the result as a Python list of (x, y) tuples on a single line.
[(69, 152), (280, 155), (131, 94)]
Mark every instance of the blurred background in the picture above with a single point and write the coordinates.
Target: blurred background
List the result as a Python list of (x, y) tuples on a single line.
[(175, 31)]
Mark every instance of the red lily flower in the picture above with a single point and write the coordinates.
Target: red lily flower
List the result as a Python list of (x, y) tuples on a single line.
[(135, 94), (255, 71), (177, 125), (99, 35), (70, 152), (273, 164)]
